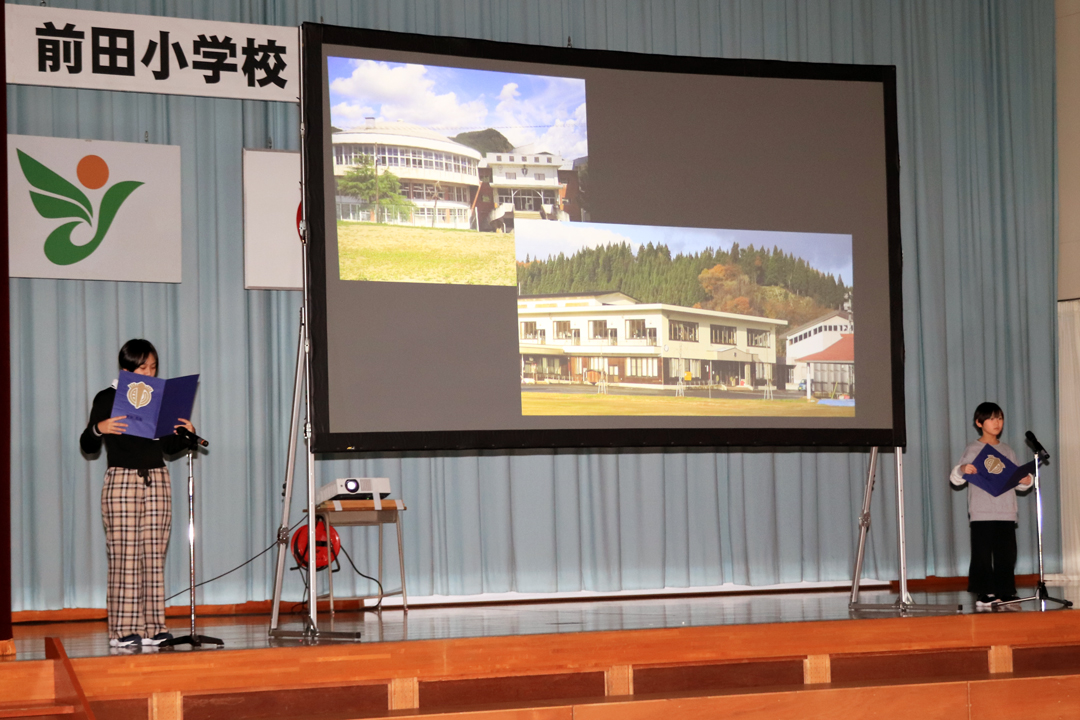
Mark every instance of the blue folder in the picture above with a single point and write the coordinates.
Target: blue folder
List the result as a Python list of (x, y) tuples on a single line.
[(997, 474), (153, 406)]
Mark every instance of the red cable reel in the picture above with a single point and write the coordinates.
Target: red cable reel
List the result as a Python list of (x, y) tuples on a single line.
[(325, 552)]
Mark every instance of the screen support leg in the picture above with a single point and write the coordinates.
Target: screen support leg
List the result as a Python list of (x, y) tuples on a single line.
[(904, 604), (1042, 595), (290, 466), (864, 528), (311, 630)]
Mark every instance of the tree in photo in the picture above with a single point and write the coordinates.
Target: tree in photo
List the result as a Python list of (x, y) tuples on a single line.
[(731, 289), (747, 281), (381, 192)]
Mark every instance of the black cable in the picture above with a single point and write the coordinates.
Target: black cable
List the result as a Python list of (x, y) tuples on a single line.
[(246, 562), (377, 605), (335, 561), (303, 574)]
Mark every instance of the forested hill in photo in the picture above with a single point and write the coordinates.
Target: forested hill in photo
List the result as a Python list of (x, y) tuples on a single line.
[(750, 281)]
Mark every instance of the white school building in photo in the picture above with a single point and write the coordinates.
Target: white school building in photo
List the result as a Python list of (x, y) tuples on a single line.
[(823, 349), (451, 185), (439, 176), (585, 337)]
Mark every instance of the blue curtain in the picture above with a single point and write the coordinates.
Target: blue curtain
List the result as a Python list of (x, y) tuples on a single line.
[(976, 120)]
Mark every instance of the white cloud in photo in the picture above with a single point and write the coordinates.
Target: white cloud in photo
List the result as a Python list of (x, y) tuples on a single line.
[(544, 120), (543, 112), (569, 135), (543, 239), (344, 116), (401, 92)]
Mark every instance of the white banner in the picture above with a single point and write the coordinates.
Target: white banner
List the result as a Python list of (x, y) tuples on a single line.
[(149, 53), (93, 210), (273, 257)]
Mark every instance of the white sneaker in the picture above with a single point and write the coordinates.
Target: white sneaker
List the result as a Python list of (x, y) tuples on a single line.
[(126, 641), (157, 639)]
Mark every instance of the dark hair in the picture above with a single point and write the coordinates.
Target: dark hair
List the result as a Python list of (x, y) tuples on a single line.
[(135, 353), (984, 412)]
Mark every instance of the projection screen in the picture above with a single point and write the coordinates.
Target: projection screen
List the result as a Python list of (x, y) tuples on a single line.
[(515, 246)]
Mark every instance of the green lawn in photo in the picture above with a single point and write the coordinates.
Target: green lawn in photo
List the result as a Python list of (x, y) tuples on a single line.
[(543, 403), (399, 253)]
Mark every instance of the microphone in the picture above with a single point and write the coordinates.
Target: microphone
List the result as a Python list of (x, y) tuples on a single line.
[(1035, 445), (191, 437)]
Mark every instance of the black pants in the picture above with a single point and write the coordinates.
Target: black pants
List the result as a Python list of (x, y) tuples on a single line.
[(993, 558)]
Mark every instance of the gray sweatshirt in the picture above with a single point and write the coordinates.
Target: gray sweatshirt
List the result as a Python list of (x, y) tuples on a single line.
[(981, 504)]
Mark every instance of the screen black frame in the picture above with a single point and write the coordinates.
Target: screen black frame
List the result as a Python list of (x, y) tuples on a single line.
[(314, 36)]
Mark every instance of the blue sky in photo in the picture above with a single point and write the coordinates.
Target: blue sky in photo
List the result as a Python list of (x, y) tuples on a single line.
[(528, 109), (828, 253)]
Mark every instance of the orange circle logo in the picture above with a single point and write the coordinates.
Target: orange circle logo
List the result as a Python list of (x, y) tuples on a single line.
[(92, 171)]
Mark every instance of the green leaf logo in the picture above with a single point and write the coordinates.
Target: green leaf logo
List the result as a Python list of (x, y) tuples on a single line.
[(64, 200)]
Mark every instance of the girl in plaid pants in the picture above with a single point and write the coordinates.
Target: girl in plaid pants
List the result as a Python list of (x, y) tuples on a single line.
[(136, 507)]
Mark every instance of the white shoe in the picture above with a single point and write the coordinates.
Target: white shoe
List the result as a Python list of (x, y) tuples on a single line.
[(126, 641)]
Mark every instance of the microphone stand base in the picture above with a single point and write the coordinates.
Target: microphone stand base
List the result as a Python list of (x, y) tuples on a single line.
[(1041, 595), (194, 641)]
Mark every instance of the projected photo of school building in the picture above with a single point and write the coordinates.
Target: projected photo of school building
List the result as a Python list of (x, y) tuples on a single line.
[(435, 165), (634, 320)]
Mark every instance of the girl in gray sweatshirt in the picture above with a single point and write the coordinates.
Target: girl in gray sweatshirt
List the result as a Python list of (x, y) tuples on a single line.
[(992, 519)]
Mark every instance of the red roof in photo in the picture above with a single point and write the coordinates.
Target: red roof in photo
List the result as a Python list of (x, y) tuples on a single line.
[(843, 350)]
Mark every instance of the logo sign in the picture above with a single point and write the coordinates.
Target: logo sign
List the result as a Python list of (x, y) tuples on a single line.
[(59, 47), (139, 394), (93, 210), (993, 465)]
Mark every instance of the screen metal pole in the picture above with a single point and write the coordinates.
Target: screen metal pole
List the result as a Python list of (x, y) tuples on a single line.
[(864, 527), (290, 467)]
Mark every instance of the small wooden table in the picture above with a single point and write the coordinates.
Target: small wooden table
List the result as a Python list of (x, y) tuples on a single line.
[(367, 513)]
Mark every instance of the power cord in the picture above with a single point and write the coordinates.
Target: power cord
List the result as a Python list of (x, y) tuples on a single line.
[(302, 573), (246, 562), (348, 557)]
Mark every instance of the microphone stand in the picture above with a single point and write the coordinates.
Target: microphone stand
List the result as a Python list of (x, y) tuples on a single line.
[(193, 639), (1041, 594)]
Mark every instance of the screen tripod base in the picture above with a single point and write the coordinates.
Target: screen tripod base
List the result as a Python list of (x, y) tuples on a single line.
[(904, 606)]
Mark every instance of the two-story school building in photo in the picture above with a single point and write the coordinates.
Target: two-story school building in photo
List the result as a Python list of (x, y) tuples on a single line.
[(585, 337), (530, 183), (451, 185)]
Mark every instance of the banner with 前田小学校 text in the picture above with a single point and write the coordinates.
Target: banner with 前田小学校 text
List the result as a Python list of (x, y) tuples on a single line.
[(60, 47), (93, 210)]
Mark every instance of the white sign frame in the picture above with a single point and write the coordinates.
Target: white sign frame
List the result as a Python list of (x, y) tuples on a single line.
[(273, 254)]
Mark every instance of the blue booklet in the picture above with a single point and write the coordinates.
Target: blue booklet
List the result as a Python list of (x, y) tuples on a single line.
[(995, 473), (153, 405)]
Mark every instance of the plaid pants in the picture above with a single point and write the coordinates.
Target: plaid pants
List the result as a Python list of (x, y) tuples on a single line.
[(138, 519)]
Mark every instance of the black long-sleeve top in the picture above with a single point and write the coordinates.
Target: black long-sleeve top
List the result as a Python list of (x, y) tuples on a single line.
[(125, 451)]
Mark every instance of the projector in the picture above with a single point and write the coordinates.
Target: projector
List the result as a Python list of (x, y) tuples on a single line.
[(353, 489)]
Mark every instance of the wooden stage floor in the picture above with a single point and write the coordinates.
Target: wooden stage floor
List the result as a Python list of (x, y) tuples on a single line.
[(750, 656), (249, 632)]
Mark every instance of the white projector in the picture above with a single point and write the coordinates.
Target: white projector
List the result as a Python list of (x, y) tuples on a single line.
[(353, 489)]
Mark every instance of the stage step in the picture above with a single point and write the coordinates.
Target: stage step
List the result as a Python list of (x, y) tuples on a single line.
[(39, 711), (1006, 698), (965, 663)]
